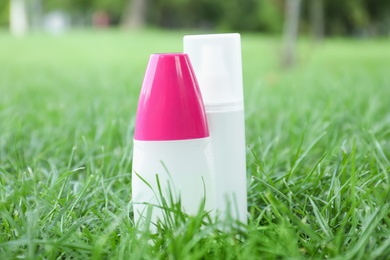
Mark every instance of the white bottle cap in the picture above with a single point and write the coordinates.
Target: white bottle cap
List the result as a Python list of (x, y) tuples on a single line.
[(216, 60)]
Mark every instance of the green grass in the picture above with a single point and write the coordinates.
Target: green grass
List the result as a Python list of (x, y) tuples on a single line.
[(318, 151)]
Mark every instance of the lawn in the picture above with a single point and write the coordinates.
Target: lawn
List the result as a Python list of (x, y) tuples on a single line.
[(318, 150)]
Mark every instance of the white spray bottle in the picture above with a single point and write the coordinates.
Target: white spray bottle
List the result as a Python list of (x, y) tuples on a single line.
[(172, 150), (216, 59)]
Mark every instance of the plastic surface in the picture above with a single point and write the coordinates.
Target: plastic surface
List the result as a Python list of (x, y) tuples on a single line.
[(171, 143), (170, 105), (216, 59), (227, 135), (184, 169)]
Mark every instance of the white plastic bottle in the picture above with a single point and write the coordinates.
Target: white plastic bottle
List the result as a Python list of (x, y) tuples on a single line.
[(171, 143), (216, 59)]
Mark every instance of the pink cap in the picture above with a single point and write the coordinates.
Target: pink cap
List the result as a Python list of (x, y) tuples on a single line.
[(170, 106)]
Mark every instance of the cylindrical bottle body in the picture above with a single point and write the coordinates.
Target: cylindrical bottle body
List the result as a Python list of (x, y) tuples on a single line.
[(227, 132), (184, 169)]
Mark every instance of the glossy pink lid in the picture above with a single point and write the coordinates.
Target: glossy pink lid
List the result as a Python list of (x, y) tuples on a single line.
[(170, 105)]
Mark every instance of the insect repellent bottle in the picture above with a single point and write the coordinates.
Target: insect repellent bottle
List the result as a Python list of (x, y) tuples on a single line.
[(171, 156), (216, 59)]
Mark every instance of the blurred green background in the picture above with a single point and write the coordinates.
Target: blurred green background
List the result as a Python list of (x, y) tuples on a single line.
[(328, 17), (318, 150)]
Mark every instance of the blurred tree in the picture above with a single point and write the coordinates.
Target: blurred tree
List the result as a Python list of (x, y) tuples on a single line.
[(317, 19), (270, 16), (290, 32), (18, 17), (4, 13), (84, 8), (240, 15), (35, 13), (347, 17), (135, 14), (321, 17), (185, 13), (381, 9), (114, 8), (80, 10)]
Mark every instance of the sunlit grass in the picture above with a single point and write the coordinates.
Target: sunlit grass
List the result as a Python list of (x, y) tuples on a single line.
[(317, 137)]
